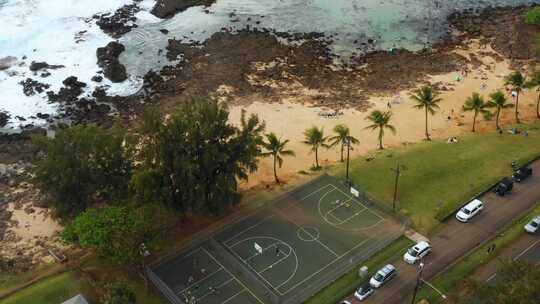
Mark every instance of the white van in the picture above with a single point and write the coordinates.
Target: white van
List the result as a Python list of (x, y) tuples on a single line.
[(469, 211)]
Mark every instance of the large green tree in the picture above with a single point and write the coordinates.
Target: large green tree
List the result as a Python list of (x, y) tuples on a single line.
[(192, 161), (516, 282), (426, 98), (476, 104), (534, 83), (275, 147), (381, 121), (82, 164), (314, 137), (343, 138), (517, 81), (115, 232), (499, 102)]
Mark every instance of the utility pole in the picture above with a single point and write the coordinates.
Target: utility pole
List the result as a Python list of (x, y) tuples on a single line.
[(348, 150), (418, 280), (397, 170)]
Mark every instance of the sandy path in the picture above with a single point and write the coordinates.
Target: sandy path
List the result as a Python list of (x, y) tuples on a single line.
[(290, 118)]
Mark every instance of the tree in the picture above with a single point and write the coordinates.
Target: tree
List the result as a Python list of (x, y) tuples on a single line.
[(498, 101), (343, 137), (534, 82), (275, 147), (380, 120), (517, 81), (192, 161), (82, 164), (532, 16), (476, 104), (115, 232), (426, 98), (118, 292), (516, 282), (315, 138)]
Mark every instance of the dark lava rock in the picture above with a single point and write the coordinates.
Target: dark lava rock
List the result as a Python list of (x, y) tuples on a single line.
[(164, 31), (108, 60), (36, 66), (70, 92), (31, 87), (7, 62), (45, 74), (4, 118), (43, 115), (97, 78), (120, 22), (168, 8)]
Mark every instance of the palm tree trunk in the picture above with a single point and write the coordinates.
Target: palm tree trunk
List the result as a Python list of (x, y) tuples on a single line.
[(497, 118), (380, 139), (275, 169), (427, 134), (342, 145), (474, 120), (538, 106), (517, 106), (317, 158)]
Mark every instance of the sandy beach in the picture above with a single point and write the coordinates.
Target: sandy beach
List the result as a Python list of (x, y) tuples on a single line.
[(290, 116)]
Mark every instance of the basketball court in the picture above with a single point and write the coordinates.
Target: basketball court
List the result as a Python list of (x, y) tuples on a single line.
[(282, 253)]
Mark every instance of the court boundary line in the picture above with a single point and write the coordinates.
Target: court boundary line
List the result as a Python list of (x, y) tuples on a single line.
[(359, 202), (232, 275), (231, 279)]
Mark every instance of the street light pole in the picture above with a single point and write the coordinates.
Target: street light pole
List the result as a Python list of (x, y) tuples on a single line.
[(397, 171), (348, 154), (418, 280)]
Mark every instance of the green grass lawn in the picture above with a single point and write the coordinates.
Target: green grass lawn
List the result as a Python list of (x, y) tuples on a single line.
[(345, 285), (449, 281), (52, 290), (57, 288), (438, 177)]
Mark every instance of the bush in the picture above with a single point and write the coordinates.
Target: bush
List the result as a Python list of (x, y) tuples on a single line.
[(118, 292), (532, 16)]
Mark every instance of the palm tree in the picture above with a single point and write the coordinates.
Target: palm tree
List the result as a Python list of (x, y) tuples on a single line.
[(534, 82), (342, 137), (426, 98), (276, 148), (381, 121), (517, 81), (315, 138), (477, 104), (498, 100)]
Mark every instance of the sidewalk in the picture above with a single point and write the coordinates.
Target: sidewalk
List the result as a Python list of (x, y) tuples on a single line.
[(457, 239)]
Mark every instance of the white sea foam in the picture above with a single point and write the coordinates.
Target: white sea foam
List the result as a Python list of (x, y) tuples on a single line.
[(45, 30)]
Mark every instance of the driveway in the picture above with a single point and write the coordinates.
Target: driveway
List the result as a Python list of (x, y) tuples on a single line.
[(456, 239)]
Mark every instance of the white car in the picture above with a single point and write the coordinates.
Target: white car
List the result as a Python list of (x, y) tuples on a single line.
[(417, 252), (469, 211), (363, 291), (533, 226), (382, 276)]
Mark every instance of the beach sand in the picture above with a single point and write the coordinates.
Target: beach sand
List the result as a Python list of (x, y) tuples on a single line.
[(292, 115)]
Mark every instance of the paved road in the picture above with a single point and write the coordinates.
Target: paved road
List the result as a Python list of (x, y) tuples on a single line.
[(526, 248), (456, 239)]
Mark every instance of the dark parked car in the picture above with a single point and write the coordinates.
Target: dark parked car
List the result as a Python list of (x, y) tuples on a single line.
[(504, 186), (522, 173)]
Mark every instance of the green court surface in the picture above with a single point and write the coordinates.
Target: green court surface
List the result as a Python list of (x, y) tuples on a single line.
[(283, 253)]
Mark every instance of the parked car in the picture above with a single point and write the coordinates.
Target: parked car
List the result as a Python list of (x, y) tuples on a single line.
[(469, 210), (382, 276), (417, 252), (504, 186), (344, 302), (521, 174), (364, 291), (533, 226)]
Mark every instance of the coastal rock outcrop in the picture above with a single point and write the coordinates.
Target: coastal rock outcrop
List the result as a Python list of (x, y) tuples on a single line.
[(119, 23), (168, 8), (36, 66), (108, 60)]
